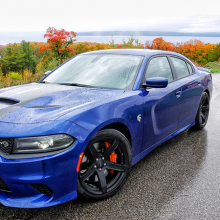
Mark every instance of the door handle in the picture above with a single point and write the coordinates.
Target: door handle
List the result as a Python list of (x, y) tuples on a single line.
[(178, 93)]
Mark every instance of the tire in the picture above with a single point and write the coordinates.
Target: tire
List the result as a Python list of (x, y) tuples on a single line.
[(101, 174), (203, 112)]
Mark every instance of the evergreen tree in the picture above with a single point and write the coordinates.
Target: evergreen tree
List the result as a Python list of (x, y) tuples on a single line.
[(18, 57)]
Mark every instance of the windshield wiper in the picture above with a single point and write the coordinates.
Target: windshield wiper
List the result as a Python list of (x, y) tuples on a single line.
[(74, 84)]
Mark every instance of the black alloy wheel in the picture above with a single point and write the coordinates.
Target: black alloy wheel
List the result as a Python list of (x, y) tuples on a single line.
[(105, 165), (203, 112)]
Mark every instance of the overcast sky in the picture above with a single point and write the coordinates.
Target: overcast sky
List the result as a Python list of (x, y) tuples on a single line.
[(102, 15)]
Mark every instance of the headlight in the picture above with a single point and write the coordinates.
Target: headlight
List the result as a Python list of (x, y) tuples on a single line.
[(42, 143)]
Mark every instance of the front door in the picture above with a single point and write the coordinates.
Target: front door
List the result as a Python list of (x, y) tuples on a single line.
[(161, 109)]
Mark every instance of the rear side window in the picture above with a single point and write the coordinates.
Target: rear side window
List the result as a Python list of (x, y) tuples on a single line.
[(190, 68), (159, 67), (180, 67)]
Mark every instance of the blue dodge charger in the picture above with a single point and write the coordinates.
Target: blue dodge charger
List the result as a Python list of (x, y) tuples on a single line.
[(78, 131)]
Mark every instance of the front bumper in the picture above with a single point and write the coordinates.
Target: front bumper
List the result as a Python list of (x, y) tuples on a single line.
[(55, 176)]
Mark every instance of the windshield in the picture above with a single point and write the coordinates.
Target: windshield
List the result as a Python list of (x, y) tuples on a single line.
[(98, 70)]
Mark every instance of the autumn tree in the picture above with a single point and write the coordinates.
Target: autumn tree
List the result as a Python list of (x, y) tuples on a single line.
[(195, 50), (58, 42), (160, 44)]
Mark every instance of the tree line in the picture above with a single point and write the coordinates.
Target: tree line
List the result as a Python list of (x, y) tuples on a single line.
[(38, 57)]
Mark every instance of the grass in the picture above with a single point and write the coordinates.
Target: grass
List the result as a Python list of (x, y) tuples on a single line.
[(215, 71), (214, 67)]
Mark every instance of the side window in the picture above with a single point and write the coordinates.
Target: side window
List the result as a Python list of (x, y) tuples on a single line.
[(159, 66), (180, 67), (190, 68)]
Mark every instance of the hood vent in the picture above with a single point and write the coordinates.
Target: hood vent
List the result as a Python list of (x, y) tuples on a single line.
[(5, 102)]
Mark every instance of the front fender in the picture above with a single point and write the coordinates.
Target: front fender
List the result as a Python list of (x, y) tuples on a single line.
[(123, 111)]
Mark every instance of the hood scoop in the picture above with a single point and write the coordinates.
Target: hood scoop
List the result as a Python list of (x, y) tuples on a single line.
[(5, 102)]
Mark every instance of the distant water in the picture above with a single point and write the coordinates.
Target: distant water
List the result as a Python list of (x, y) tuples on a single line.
[(143, 39), (106, 39)]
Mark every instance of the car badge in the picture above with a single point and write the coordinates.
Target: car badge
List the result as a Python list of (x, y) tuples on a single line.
[(139, 118)]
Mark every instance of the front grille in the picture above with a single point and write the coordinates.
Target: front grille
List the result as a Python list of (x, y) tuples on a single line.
[(42, 189), (6, 145), (4, 186)]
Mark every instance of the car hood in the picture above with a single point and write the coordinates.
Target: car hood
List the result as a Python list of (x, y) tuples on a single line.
[(38, 102)]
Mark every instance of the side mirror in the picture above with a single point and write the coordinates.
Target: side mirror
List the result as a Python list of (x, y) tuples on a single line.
[(47, 72), (156, 82)]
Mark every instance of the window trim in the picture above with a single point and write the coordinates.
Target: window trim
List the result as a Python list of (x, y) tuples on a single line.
[(152, 57), (127, 88), (191, 68), (181, 58)]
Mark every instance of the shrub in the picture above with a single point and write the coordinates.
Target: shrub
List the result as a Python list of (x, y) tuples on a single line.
[(52, 64), (15, 75), (28, 77), (41, 68)]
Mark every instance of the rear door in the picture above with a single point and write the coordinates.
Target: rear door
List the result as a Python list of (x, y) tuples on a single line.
[(190, 90)]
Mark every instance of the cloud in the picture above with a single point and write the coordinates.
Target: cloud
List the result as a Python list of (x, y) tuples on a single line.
[(186, 24), (99, 15)]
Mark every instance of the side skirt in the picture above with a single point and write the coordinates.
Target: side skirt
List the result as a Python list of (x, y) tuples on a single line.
[(148, 150)]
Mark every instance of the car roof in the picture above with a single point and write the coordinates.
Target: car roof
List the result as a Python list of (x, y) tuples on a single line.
[(136, 52)]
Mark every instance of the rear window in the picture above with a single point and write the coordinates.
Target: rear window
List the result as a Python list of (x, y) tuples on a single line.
[(180, 67)]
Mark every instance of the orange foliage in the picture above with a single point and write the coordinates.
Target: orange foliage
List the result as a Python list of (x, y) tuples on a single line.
[(195, 50), (160, 44), (82, 47), (58, 42)]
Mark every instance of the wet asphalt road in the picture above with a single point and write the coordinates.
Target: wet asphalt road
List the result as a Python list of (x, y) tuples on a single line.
[(178, 180)]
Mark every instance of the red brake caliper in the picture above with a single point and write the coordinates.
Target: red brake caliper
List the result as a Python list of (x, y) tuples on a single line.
[(113, 156)]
